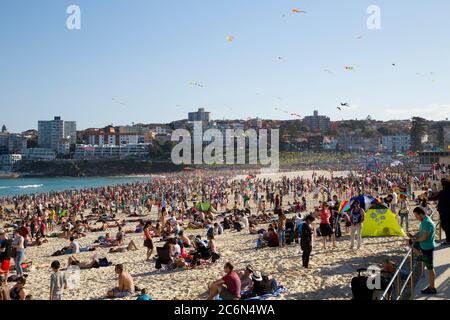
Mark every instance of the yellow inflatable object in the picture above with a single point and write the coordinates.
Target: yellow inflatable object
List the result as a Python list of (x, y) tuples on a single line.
[(381, 223)]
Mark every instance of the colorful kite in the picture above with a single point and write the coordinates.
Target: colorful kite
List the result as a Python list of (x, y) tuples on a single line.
[(344, 206), (349, 68), (295, 10), (230, 39)]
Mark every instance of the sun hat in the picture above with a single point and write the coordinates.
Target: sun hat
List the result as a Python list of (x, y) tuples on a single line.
[(249, 268), (257, 276)]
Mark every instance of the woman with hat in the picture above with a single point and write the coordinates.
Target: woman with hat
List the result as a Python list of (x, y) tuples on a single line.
[(306, 239), (261, 286)]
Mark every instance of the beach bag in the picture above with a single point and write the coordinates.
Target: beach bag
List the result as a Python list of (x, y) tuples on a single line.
[(215, 256), (103, 262), (360, 291), (58, 253)]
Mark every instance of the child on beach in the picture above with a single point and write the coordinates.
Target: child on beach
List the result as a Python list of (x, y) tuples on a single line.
[(144, 295), (58, 282), (306, 240)]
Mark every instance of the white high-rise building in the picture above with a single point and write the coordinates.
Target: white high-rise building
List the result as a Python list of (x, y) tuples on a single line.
[(56, 134)]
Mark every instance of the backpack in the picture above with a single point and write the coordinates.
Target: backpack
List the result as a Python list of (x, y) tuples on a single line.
[(103, 262), (356, 218)]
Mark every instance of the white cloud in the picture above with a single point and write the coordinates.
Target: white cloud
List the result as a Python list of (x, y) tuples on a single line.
[(431, 112)]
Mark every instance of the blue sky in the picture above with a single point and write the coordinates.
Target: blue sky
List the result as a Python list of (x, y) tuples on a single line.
[(146, 52)]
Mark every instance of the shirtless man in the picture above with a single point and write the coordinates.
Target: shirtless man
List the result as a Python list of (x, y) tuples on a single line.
[(126, 284), (130, 247)]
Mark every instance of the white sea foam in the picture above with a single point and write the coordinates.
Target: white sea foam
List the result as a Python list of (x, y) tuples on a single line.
[(30, 186)]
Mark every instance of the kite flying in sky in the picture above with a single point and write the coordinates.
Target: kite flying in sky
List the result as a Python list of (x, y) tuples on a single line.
[(230, 39), (295, 10), (119, 102), (289, 113), (195, 83)]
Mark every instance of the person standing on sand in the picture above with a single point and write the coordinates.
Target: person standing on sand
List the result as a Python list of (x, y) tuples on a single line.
[(281, 228), (306, 240), (18, 245), (443, 207), (356, 220), (58, 282), (148, 241), (326, 230), (5, 253), (126, 284)]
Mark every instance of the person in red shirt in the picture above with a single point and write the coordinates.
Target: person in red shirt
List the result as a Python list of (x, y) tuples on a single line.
[(326, 230), (274, 240), (228, 288)]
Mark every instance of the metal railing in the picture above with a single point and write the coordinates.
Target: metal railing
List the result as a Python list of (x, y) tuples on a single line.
[(396, 278), (410, 279)]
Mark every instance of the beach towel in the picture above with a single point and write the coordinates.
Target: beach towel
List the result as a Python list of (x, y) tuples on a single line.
[(276, 294)]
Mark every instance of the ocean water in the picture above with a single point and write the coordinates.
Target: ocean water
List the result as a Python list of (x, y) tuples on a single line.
[(12, 187)]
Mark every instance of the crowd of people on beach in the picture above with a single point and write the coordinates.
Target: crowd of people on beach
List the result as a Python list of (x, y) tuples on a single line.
[(211, 202)]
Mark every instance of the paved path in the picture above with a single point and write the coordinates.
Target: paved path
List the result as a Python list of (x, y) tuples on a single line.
[(442, 266)]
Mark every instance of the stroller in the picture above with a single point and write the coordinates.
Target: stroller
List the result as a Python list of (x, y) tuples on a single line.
[(360, 290)]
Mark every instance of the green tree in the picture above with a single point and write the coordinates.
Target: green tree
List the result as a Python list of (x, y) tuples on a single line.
[(418, 130)]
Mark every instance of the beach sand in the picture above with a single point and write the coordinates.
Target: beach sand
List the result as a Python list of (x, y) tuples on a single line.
[(329, 275)]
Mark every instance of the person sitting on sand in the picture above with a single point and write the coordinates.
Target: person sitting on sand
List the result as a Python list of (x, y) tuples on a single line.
[(126, 284), (4, 289), (212, 248), (74, 246), (157, 230), (262, 285), (186, 242), (130, 247), (144, 295), (273, 240), (246, 278), (17, 292), (228, 287)]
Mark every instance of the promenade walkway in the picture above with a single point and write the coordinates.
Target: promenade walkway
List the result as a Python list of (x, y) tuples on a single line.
[(442, 266)]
